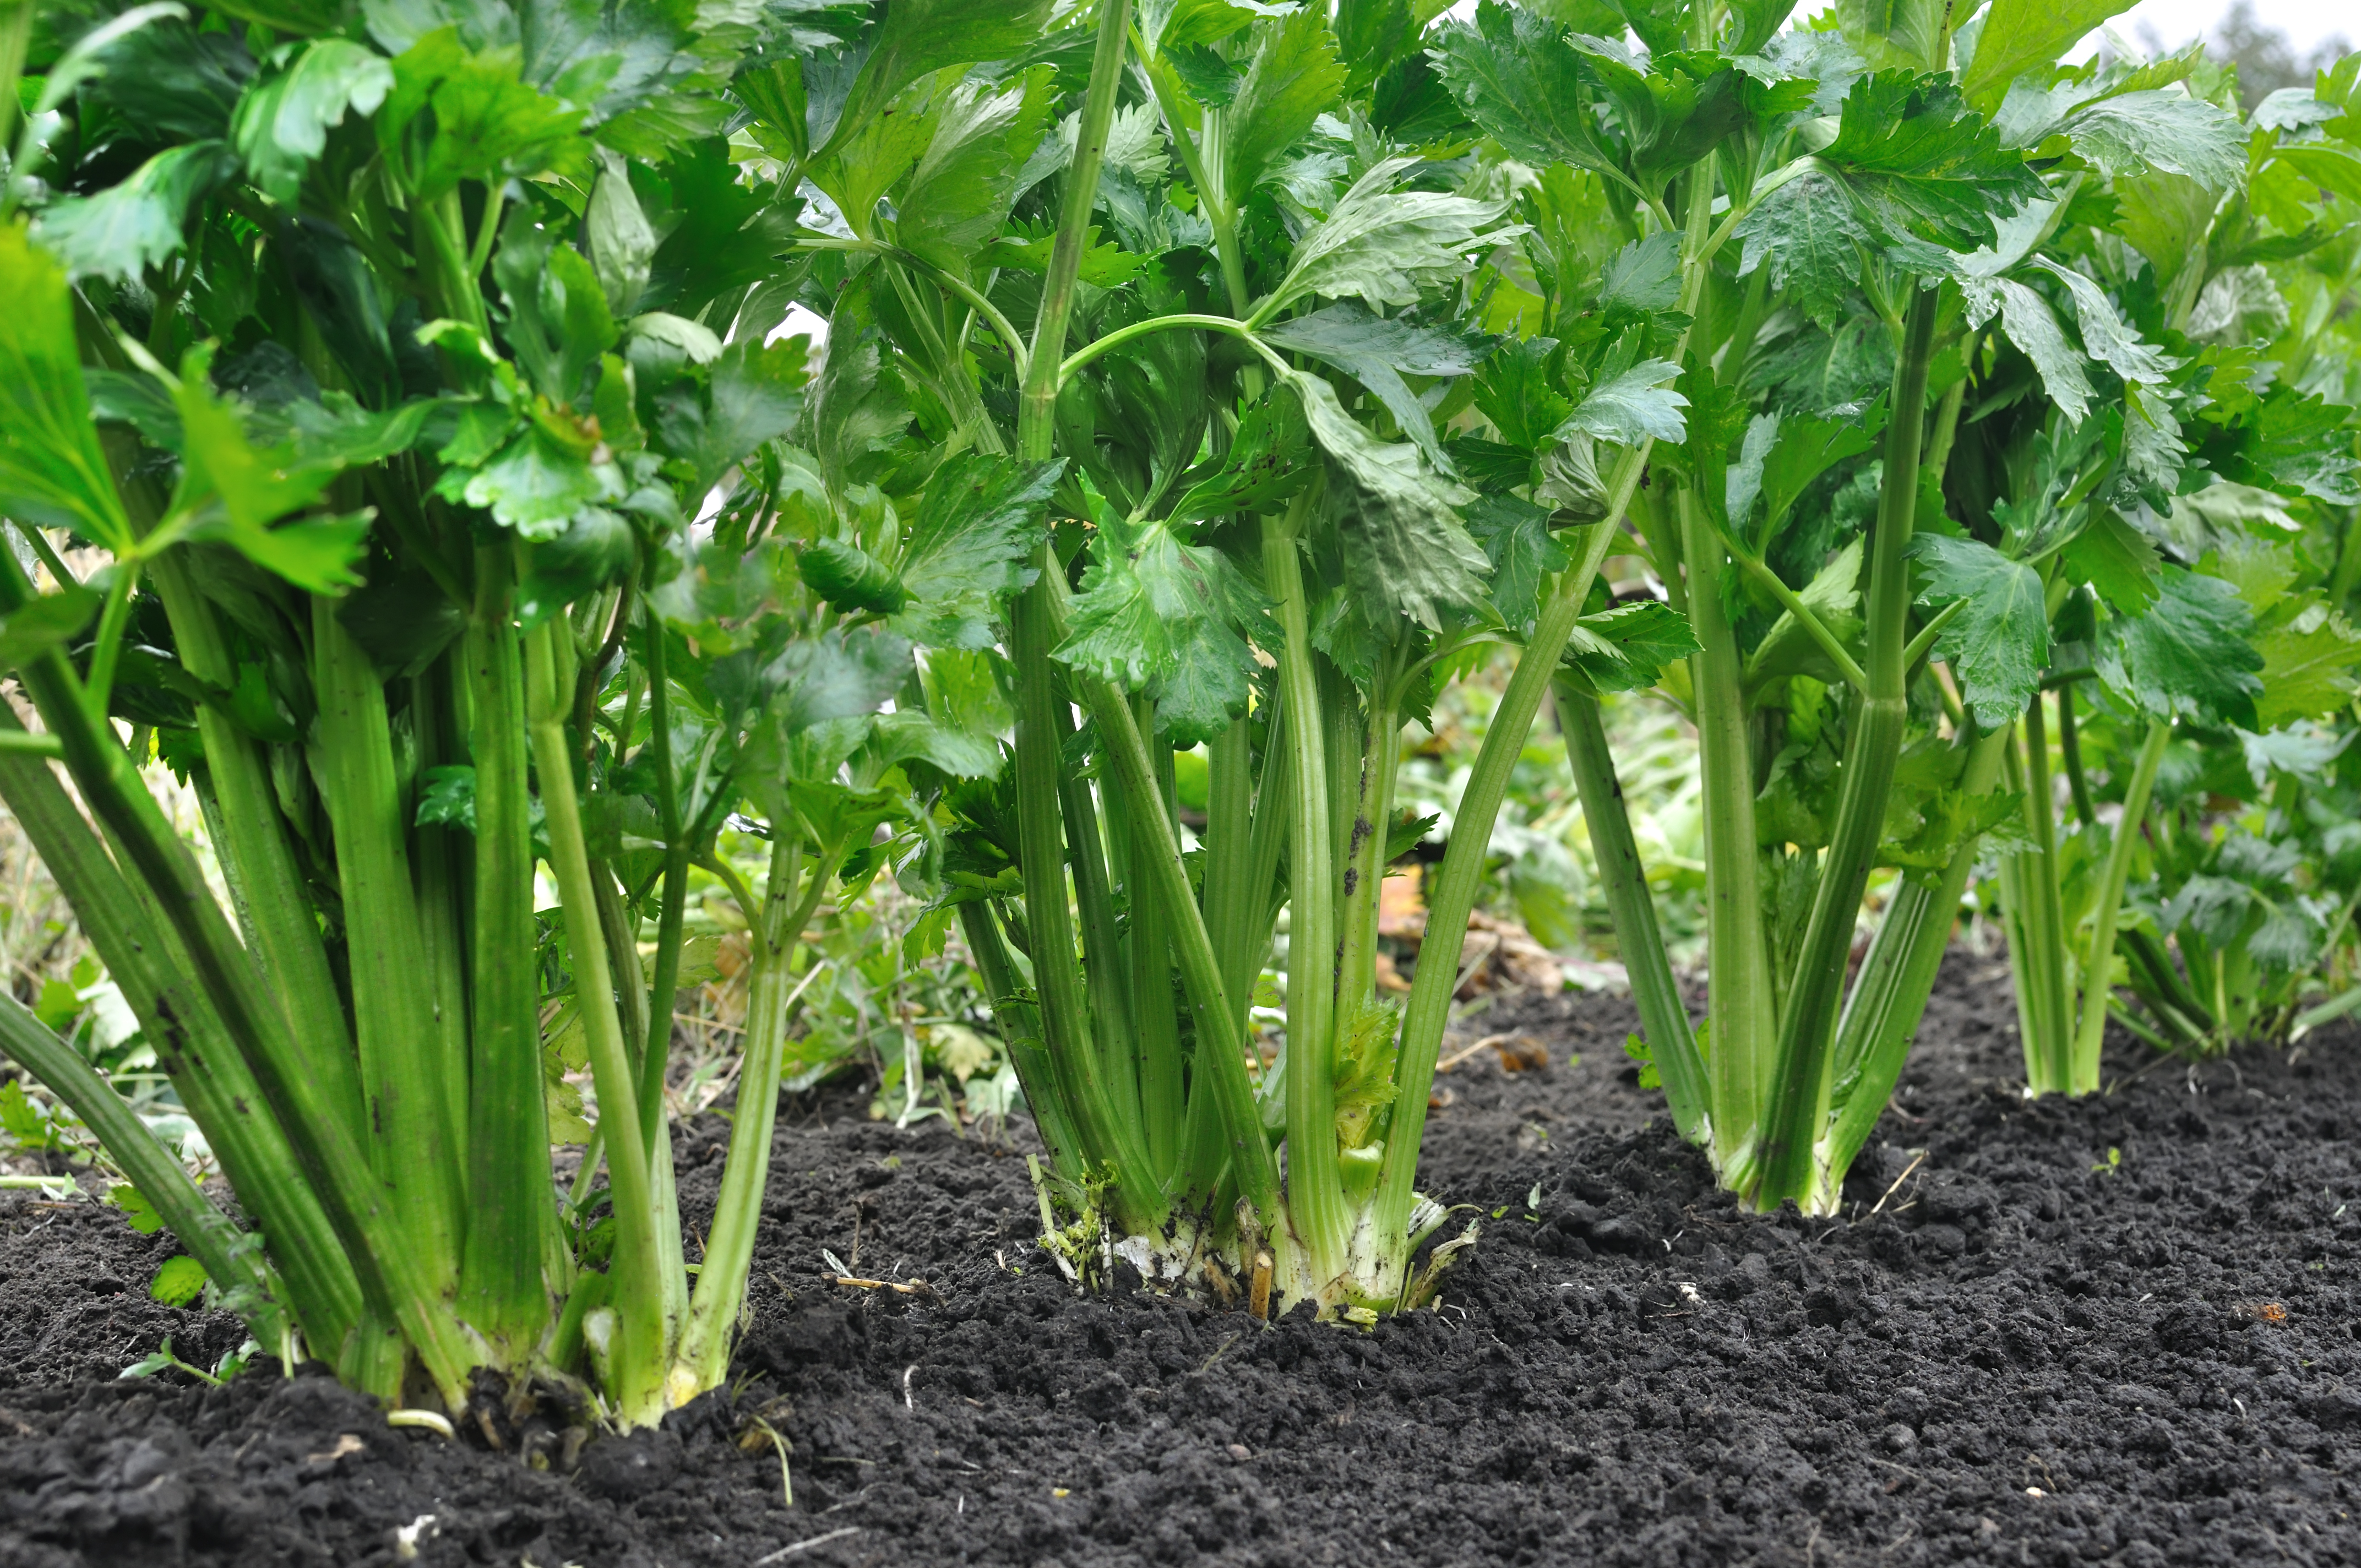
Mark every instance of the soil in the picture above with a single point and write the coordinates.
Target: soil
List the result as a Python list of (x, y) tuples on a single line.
[(2116, 1331)]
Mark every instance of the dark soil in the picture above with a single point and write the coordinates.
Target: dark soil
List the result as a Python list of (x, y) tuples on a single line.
[(2032, 1353)]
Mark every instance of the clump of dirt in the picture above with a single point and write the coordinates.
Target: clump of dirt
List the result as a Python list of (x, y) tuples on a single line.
[(2013, 1347)]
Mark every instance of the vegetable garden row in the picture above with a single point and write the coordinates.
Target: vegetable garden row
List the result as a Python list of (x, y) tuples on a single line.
[(400, 444)]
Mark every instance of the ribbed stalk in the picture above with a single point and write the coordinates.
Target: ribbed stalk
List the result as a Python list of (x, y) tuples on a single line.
[(1049, 920), (193, 1046), (2037, 933), (1229, 830), (1364, 859), (1315, 1195), (1220, 1047), (1897, 976), (1794, 1112), (444, 893), (2098, 972), (1107, 979), (374, 1239), (1663, 1016), (511, 1213), (1739, 1000), (703, 1360), (1020, 1027), (1157, 1069), (1040, 767), (256, 858), (1454, 893), (663, 981), (401, 1044), (640, 1353)]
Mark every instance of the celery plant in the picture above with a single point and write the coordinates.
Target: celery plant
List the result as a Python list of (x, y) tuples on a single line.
[(1185, 271), (387, 363), (1797, 525), (2144, 488)]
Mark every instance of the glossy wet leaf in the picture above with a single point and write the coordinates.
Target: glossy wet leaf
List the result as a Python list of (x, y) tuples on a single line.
[(917, 36), (958, 193), (756, 395), (2117, 560), (2019, 36), (1161, 617), (2030, 323), (1809, 233), (1627, 647), (2136, 133), (1514, 73), (971, 545), (1632, 405), (459, 114)]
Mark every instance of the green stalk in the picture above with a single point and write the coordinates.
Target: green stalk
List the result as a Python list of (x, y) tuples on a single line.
[(1315, 1194), (1020, 1027), (1364, 859), (443, 916), (1663, 1017), (410, 1141), (1221, 1057), (640, 1353), (1794, 1112), (2098, 972), (510, 1213), (1105, 976), (1157, 1070), (1897, 976), (193, 1046), (663, 983), (1040, 768), (2044, 994), (1048, 919), (1037, 406), (106, 652), (373, 1238), (1229, 828), (704, 1359), (282, 935), (1740, 1009), (2070, 752), (233, 1259), (1454, 893)]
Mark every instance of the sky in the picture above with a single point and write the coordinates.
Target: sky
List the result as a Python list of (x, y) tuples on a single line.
[(2305, 22)]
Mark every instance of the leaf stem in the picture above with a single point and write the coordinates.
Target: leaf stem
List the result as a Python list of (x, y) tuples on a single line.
[(1795, 1111), (1123, 335), (2097, 974), (640, 1352)]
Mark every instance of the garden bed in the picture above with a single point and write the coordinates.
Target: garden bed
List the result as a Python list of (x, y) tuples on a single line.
[(2033, 1354)]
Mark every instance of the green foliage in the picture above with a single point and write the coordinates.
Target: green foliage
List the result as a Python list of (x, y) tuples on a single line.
[(2000, 641), (178, 1282)]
